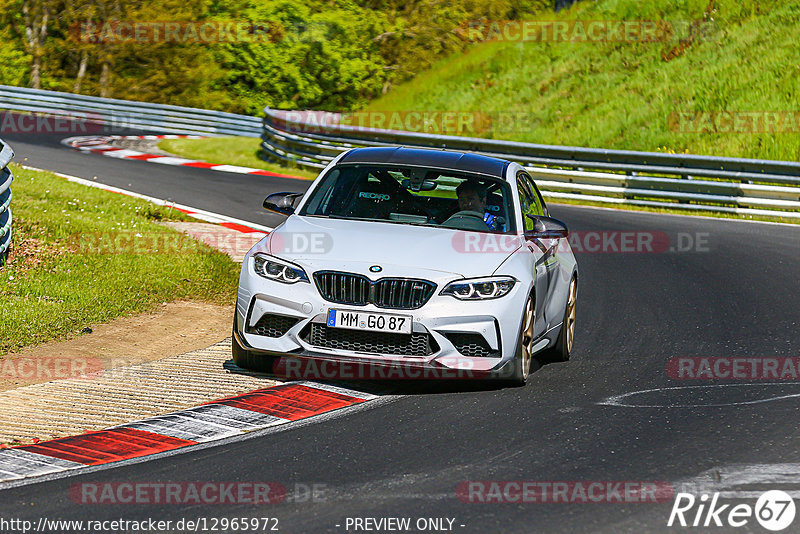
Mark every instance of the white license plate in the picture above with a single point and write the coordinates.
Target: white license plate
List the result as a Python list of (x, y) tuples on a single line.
[(375, 322)]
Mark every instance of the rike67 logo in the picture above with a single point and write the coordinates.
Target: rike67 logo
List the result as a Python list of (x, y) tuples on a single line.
[(774, 510)]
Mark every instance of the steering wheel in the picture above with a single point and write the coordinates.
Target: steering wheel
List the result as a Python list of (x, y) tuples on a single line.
[(466, 220)]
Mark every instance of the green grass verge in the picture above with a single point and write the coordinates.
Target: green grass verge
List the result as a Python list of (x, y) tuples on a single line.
[(622, 95), (241, 151), (61, 276)]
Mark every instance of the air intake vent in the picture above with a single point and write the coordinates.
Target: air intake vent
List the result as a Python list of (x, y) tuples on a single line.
[(472, 345), (416, 344), (271, 325)]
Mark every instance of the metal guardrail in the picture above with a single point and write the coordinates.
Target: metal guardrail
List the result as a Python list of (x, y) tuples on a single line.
[(683, 181), (114, 114), (677, 181), (6, 153)]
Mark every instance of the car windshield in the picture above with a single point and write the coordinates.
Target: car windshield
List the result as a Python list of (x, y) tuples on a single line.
[(413, 195)]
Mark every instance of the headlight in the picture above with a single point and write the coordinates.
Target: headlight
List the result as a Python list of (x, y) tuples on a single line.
[(278, 270), (480, 288)]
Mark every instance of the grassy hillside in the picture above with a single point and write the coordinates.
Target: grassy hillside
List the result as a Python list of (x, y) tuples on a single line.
[(622, 94)]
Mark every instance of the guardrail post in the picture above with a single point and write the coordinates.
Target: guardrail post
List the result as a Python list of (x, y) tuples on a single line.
[(6, 153)]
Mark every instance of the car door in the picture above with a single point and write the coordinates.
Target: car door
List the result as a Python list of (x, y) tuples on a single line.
[(553, 303), (537, 251)]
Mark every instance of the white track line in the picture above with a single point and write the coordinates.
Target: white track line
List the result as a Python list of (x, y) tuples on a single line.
[(197, 213)]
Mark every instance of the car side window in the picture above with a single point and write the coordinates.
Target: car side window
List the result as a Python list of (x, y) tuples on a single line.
[(527, 204), (541, 201), (539, 207)]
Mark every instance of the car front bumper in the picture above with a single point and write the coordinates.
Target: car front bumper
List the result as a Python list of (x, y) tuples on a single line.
[(443, 319)]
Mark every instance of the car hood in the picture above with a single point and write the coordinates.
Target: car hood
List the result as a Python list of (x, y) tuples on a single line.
[(399, 249)]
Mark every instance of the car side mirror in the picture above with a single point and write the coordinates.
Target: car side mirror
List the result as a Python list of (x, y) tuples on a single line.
[(546, 228), (282, 203)]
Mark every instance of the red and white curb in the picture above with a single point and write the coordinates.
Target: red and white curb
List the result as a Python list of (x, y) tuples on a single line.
[(224, 418), (101, 145)]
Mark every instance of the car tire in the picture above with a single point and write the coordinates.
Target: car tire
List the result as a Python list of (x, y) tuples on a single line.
[(248, 360), (562, 350), (524, 362)]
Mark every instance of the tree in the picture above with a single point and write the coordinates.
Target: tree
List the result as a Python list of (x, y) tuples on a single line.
[(35, 17)]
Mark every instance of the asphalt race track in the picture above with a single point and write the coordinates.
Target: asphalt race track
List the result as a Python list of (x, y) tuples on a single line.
[(200, 188), (734, 295)]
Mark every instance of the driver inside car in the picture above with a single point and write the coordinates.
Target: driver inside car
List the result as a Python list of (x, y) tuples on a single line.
[(472, 197)]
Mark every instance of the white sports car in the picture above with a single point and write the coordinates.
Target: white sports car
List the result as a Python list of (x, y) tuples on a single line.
[(420, 259)]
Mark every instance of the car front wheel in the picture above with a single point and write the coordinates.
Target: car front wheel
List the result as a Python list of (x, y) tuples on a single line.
[(562, 350), (524, 362), (246, 359)]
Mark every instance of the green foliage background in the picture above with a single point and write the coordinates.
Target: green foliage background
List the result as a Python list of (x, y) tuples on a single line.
[(744, 57), (321, 54)]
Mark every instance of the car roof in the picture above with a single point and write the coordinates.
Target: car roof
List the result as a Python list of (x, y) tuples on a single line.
[(426, 157)]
